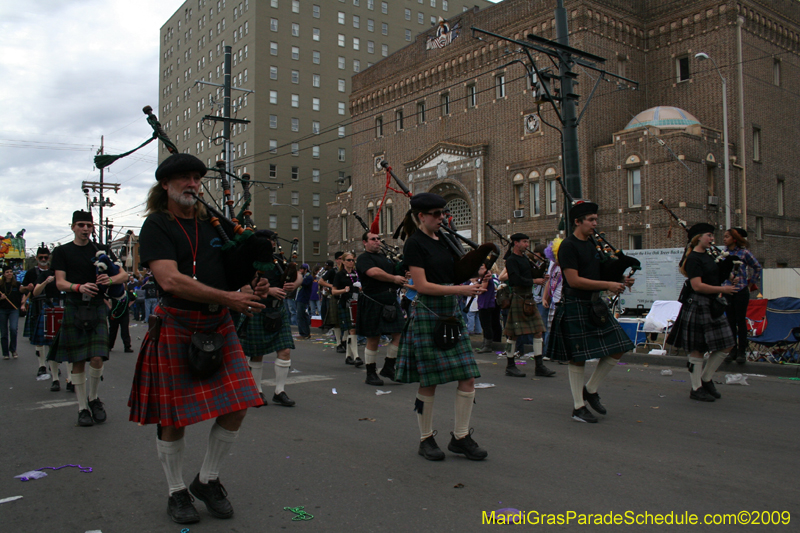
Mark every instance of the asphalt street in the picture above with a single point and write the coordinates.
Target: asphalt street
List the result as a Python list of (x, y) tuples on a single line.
[(349, 457)]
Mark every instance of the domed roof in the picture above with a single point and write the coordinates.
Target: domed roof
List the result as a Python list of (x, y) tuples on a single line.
[(663, 117)]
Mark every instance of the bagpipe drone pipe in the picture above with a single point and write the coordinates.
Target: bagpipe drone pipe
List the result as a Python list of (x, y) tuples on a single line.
[(539, 264)]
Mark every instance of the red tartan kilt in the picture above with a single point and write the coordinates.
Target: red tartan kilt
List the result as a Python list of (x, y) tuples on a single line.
[(164, 392)]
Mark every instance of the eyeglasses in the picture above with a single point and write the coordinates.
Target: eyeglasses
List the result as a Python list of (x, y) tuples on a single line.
[(374, 239), (84, 224), (349, 260), (435, 214), (43, 257)]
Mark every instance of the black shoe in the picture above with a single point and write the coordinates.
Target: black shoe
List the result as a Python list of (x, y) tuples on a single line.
[(388, 368), (128, 349), (214, 495), (731, 357), (42, 370), (85, 418), (514, 372), (98, 410), (263, 399), (486, 347), (583, 415), (282, 399), (70, 387), (341, 348), (740, 358), (358, 362), (372, 376), (701, 395), (594, 401), (55, 387), (430, 450), (349, 360), (467, 446), (180, 508), (541, 370), (711, 389)]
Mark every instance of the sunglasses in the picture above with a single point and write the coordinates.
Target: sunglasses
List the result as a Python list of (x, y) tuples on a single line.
[(374, 239), (84, 224), (43, 257), (349, 260), (435, 214)]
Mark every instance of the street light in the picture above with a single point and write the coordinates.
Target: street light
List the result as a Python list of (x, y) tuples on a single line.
[(702, 56), (302, 229)]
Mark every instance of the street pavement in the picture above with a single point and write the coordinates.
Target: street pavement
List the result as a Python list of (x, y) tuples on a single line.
[(350, 458)]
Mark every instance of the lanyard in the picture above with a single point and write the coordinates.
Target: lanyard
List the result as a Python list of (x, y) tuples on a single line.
[(192, 248)]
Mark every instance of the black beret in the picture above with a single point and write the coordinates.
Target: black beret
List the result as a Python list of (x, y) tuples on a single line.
[(42, 251), (699, 229), (82, 216), (518, 237), (741, 231), (328, 263), (425, 201), (337, 255), (178, 163), (582, 208)]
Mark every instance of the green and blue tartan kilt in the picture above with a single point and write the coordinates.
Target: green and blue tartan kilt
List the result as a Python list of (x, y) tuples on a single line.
[(37, 321), (163, 390), (369, 320), (574, 338), (30, 319), (518, 323), (256, 341), (73, 345), (344, 314), (331, 318), (419, 359), (696, 330)]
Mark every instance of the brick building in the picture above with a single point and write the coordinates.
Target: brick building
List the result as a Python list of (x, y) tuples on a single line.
[(461, 121)]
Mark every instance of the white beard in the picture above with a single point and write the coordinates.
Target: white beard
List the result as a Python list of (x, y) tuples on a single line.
[(181, 199)]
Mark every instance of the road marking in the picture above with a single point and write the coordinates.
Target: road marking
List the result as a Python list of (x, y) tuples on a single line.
[(293, 380), (50, 404)]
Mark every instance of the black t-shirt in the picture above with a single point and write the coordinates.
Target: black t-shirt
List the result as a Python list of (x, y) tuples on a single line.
[(175, 239), (342, 280), (77, 262), (702, 265), (150, 288), (370, 285), (431, 255), (581, 256), (519, 271), (11, 290), (37, 276), (329, 276)]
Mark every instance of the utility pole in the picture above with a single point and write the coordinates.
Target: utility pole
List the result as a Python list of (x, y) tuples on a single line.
[(570, 155), (100, 187)]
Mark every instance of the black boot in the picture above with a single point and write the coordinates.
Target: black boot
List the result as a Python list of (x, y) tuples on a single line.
[(372, 376), (341, 348), (388, 368), (512, 370), (486, 347), (542, 370)]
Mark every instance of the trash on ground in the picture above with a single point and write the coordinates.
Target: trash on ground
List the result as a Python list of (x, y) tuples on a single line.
[(666, 372), (756, 375), (656, 351), (366, 419), (382, 392), (334, 391), (484, 385), (43, 377), (32, 474), (736, 379), (11, 499)]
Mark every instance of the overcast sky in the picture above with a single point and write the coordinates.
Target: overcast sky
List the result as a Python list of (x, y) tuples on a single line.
[(71, 71)]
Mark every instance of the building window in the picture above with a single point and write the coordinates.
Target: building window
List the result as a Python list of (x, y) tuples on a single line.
[(295, 124), (500, 86), (420, 112), (370, 25), (295, 198), (315, 80), (379, 127), (445, 104), (408, 35), (295, 30), (356, 65), (388, 226), (420, 18), (273, 146), (295, 222), (315, 199), (273, 222), (295, 173), (295, 6), (295, 76), (519, 200), (273, 97), (273, 197), (315, 57), (759, 228), (408, 14), (273, 24), (341, 132), (315, 224), (384, 8), (370, 4), (273, 122), (781, 211), (634, 187), (340, 17), (315, 175), (634, 242), (356, 21), (536, 208), (315, 152), (273, 171), (385, 50), (342, 63), (315, 247), (444, 5), (273, 73), (756, 144), (295, 53), (341, 154), (398, 119), (552, 197), (682, 68), (343, 218), (295, 149), (315, 34), (341, 108), (341, 40), (315, 11), (472, 96), (315, 127), (315, 104), (295, 100), (356, 43), (384, 28), (342, 85), (370, 47), (273, 48)]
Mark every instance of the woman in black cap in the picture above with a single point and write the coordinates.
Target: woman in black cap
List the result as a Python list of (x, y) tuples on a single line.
[(435, 348), (700, 326), (735, 240)]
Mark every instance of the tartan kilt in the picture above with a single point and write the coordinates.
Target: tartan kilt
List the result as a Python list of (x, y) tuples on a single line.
[(344, 315), (517, 322), (369, 320), (332, 316), (73, 345), (696, 330), (550, 314), (35, 331), (163, 390), (574, 338), (419, 359), (256, 341)]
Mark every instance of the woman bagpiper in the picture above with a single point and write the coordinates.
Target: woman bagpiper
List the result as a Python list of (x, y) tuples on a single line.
[(434, 348), (701, 326), (347, 287), (735, 240)]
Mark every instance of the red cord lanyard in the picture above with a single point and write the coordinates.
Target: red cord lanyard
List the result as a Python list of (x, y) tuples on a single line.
[(192, 248)]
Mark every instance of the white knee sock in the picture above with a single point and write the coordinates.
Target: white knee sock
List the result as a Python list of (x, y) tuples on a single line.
[(53, 369), (79, 381), (391, 351), (220, 441), (696, 371), (257, 369), (352, 345), (281, 373), (576, 384), (94, 381), (69, 372), (41, 353), (171, 456), (464, 402), (712, 364), (424, 418), (537, 346), (337, 332), (510, 349), (370, 356), (604, 366)]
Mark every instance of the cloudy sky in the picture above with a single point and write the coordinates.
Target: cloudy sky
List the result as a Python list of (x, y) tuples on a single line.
[(73, 71)]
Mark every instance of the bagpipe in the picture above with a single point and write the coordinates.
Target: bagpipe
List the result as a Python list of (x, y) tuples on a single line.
[(391, 252), (467, 263), (724, 260), (539, 264), (614, 264), (104, 265)]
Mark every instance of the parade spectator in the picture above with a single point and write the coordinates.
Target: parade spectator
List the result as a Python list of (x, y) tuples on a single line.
[(10, 302)]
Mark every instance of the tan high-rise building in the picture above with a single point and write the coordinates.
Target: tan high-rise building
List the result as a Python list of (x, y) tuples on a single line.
[(297, 58)]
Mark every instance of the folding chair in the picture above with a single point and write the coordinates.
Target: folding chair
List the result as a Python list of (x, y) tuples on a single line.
[(662, 315), (780, 340)]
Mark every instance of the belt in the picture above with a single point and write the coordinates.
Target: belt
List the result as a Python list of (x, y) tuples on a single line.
[(579, 294), (186, 305)]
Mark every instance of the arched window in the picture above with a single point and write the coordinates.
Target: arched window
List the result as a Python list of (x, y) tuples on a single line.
[(461, 211)]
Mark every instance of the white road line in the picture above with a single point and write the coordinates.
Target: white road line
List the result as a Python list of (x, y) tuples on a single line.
[(50, 404), (292, 380)]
